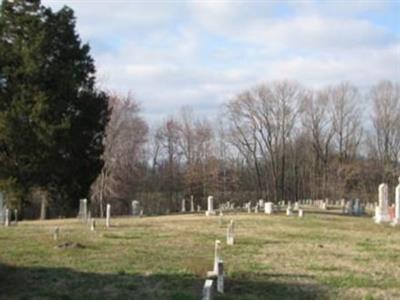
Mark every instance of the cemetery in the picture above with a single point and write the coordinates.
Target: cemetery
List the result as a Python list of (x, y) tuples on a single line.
[(211, 149), (317, 251)]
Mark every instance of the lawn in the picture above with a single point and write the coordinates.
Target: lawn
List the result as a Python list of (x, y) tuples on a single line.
[(322, 256)]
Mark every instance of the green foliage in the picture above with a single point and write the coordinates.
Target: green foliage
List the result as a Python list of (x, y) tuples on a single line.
[(52, 118)]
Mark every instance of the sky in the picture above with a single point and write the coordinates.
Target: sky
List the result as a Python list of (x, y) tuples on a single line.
[(170, 54)]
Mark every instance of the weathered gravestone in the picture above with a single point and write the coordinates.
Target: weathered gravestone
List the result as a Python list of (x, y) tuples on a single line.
[(268, 208), (396, 220), (210, 206), (183, 208), (192, 203), (108, 216), (2, 219), (135, 208), (82, 214), (207, 290), (381, 211), (230, 234)]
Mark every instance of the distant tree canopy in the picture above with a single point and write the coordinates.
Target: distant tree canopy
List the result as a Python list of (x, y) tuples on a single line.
[(52, 118)]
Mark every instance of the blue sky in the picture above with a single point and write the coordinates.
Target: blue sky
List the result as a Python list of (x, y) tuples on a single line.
[(170, 54)]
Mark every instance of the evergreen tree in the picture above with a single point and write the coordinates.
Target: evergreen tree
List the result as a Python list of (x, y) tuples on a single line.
[(52, 118)]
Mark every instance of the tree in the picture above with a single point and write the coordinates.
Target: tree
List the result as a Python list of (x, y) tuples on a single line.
[(52, 118), (386, 115), (125, 137)]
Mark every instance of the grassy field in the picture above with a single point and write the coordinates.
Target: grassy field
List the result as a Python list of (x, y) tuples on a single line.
[(322, 256)]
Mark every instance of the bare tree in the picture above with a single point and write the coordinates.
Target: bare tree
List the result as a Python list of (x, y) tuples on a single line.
[(346, 119), (126, 135), (386, 121)]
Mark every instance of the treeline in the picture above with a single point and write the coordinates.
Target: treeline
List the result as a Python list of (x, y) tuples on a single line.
[(62, 139), (276, 141)]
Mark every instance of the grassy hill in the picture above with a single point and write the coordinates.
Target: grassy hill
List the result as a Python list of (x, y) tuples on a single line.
[(322, 256)]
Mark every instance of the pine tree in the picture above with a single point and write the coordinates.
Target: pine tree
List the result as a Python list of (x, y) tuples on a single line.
[(52, 118)]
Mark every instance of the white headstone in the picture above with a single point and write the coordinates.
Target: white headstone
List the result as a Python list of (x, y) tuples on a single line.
[(7, 217), (210, 206), (220, 277), (183, 208), (191, 203), (289, 211), (56, 233), (396, 220), (230, 234), (381, 213), (207, 290), (268, 208), (135, 208), (301, 213), (217, 253), (93, 225), (108, 215), (2, 209)]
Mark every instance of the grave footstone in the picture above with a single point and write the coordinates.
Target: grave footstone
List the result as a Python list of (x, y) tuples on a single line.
[(93, 225), (56, 233)]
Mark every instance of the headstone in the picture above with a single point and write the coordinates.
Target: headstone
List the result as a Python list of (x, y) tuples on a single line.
[(7, 217), (396, 220), (357, 208), (198, 208), (93, 225), (183, 209), (56, 234), (301, 213), (289, 211), (381, 212), (256, 208), (192, 203), (220, 277), (82, 214), (217, 253), (108, 215), (207, 290), (210, 206), (261, 203), (135, 208), (16, 216), (249, 207), (43, 207), (268, 208), (230, 234), (296, 205), (2, 219), (141, 213), (220, 219)]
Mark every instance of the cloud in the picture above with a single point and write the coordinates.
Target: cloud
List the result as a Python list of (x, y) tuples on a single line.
[(200, 53)]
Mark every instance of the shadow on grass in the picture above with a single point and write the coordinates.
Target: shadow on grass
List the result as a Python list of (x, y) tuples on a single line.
[(63, 283)]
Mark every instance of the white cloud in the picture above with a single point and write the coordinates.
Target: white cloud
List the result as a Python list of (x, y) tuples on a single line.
[(200, 53)]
